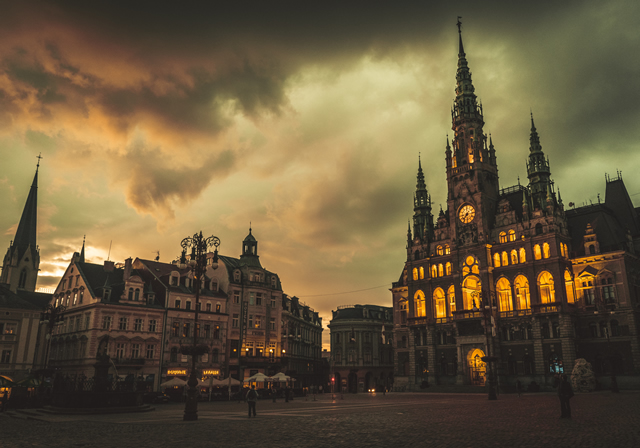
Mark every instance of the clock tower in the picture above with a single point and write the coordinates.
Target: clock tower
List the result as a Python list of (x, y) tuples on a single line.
[(472, 171)]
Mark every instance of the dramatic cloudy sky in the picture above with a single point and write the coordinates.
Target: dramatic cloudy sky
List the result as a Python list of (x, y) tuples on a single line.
[(155, 122)]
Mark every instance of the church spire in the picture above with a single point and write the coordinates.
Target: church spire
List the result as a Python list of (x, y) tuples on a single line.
[(81, 260), (21, 262)]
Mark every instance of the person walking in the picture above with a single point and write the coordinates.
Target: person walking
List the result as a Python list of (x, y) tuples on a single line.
[(519, 387), (565, 393), (252, 398)]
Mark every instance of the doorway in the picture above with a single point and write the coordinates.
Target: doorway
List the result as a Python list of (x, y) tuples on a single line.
[(477, 367)]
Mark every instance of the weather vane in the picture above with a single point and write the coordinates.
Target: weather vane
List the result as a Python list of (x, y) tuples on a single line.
[(459, 24)]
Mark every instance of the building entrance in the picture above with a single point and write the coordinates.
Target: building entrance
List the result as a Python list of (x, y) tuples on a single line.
[(477, 368)]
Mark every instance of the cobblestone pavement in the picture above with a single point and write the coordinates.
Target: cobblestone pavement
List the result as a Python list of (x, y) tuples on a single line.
[(395, 420)]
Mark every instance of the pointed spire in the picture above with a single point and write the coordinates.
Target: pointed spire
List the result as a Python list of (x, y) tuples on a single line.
[(534, 139), (460, 46), (81, 260), (27, 228)]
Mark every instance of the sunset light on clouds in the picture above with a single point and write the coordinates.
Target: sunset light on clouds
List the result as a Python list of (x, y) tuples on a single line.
[(305, 122)]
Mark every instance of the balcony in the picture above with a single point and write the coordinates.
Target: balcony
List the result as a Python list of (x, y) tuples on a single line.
[(544, 308), (515, 313)]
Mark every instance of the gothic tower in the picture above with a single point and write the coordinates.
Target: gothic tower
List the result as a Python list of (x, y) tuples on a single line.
[(21, 262), (472, 171)]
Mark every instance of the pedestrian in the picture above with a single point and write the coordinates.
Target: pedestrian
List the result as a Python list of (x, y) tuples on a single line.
[(565, 392), (252, 398), (286, 394), (519, 387), (273, 394)]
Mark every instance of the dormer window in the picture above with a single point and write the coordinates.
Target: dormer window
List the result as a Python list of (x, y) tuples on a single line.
[(236, 276), (214, 285), (130, 294), (174, 280), (106, 294), (136, 295), (151, 298)]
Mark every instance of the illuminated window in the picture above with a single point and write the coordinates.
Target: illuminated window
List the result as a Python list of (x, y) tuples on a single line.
[(546, 252), (439, 250), (523, 300), (547, 291), (434, 271), (503, 237), (440, 270), (523, 255), (451, 295), (503, 288), (421, 272), (568, 283), (415, 273), (471, 287), (537, 253), (496, 260), (505, 259), (447, 249), (562, 250), (447, 268), (440, 304), (512, 235), (514, 257), (420, 309)]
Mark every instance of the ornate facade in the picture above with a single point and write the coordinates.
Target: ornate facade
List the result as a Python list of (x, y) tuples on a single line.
[(507, 276)]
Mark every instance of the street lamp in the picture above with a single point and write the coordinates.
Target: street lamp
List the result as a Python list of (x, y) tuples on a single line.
[(197, 263), (487, 307)]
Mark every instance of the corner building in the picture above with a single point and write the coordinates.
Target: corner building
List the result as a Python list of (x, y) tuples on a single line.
[(506, 276)]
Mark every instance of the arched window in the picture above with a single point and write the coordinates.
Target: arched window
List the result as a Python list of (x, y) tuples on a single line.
[(568, 283), (434, 271), (447, 249), (503, 288), (505, 259), (523, 300), (523, 255), (421, 272), (440, 304), (439, 250), (512, 235), (514, 257), (447, 268), (546, 252), (496, 260), (562, 250), (440, 270), (130, 293), (22, 281), (471, 288), (415, 273), (537, 253), (503, 237), (547, 291), (136, 295), (420, 310), (451, 295)]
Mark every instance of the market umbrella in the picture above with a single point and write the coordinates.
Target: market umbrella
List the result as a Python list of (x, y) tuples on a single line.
[(173, 382), (5, 381), (205, 383), (280, 377), (257, 378), (226, 382)]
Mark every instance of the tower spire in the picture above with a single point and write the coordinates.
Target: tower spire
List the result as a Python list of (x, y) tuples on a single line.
[(21, 262)]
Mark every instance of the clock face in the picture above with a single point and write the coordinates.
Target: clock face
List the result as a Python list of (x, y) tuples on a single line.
[(467, 213)]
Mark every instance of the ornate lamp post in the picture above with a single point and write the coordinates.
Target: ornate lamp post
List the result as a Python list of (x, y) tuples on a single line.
[(487, 307), (197, 263)]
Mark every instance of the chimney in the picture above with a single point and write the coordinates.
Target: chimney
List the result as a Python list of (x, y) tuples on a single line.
[(127, 269), (109, 266)]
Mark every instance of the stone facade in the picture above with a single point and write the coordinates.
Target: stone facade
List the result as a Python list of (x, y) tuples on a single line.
[(361, 348), (505, 279)]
